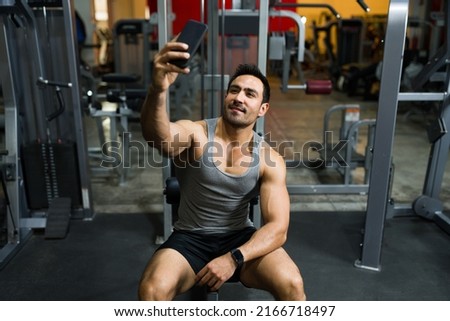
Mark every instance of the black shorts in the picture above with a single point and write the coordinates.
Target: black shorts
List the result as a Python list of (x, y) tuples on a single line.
[(200, 248)]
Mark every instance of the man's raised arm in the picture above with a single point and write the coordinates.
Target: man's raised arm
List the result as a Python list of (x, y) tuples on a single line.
[(168, 137)]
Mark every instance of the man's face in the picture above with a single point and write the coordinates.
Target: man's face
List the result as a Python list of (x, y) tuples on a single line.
[(243, 102)]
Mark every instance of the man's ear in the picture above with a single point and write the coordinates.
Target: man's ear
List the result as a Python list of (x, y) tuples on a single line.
[(263, 109)]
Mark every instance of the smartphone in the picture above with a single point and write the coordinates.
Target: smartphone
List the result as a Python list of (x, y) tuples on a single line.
[(192, 34)]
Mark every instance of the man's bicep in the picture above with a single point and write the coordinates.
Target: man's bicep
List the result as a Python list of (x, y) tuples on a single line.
[(275, 203)]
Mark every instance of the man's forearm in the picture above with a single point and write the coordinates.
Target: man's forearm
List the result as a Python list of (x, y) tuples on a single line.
[(265, 240), (155, 121)]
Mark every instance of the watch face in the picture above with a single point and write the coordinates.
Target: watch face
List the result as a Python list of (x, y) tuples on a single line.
[(238, 257)]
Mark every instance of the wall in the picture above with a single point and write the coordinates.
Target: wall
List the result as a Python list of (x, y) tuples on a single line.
[(120, 9), (346, 8)]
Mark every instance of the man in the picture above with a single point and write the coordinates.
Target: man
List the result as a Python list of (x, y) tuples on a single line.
[(222, 165)]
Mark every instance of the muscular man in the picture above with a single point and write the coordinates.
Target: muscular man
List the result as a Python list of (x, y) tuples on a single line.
[(221, 165)]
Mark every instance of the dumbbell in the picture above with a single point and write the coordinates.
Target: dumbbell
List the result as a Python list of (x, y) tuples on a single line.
[(314, 87)]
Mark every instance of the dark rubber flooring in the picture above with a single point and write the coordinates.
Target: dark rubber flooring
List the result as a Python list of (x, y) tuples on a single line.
[(103, 259)]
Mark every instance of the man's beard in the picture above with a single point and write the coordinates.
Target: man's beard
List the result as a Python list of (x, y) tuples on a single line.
[(239, 121)]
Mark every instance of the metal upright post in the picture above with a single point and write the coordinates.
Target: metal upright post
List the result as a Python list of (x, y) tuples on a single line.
[(73, 71), (262, 50), (438, 158), (10, 163), (439, 153), (163, 37), (214, 81), (384, 135)]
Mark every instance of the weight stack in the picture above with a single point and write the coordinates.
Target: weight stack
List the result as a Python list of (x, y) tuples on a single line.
[(51, 171)]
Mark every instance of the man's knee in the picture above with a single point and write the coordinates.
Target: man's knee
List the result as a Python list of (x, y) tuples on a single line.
[(167, 274), (292, 289), (298, 289), (154, 290)]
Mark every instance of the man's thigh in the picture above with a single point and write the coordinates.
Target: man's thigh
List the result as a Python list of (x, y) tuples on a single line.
[(269, 271), (170, 269)]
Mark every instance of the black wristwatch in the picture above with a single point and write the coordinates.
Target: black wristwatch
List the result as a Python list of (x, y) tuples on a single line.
[(238, 257)]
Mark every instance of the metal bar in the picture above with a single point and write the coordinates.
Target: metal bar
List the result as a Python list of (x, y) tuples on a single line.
[(262, 36), (33, 222), (262, 50), (215, 97), (301, 29), (11, 145), (301, 87), (162, 40), (422, 96), (216, 82), (328, 189), (82, 148), (439, 153), (442, 219), (308, 5), (384, 135), (37, 71)]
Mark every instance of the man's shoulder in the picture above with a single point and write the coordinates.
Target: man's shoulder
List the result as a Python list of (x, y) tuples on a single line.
[(270, 158), (267, 148), (197, 128)]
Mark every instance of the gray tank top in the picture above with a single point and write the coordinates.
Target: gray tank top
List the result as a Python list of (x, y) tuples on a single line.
[(213, 201)]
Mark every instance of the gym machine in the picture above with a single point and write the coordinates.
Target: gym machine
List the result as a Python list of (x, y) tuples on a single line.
[(381, 172), (348, 34), (214, 83), (44, 162), (342, 156), (126, 89), (428, 205), (289, 43), (134, 46)]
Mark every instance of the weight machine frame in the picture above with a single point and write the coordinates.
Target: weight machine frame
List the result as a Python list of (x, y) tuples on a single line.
[(33, 85), (381, 173), (379, 205)]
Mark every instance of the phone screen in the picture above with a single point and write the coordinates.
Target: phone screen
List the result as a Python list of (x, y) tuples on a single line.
[(192, 34)]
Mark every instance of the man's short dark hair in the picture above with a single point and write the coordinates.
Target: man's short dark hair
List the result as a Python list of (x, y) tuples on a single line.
[(253, 70)]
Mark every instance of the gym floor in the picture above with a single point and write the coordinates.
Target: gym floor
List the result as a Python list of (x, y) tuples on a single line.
[(102, 259)]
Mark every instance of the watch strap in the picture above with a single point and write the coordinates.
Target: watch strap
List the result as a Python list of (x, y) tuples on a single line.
[(238, 257)]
